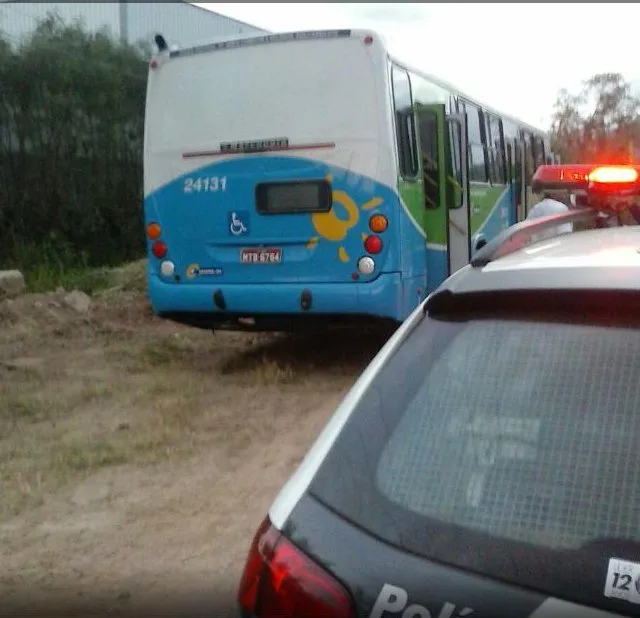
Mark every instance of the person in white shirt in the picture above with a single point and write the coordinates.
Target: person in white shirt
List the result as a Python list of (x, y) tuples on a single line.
[(551, 204)]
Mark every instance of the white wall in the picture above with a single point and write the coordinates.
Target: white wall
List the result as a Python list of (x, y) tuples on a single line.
[(179, 22)]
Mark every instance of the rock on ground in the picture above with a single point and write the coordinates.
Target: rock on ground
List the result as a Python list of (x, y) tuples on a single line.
[(11, 283), (78, 301)]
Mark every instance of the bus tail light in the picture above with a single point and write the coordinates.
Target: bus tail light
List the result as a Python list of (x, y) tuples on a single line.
[(167, 268), (154, 231), (159, 249), (366, 265), (373, 245), (378, 224), (279, 580)]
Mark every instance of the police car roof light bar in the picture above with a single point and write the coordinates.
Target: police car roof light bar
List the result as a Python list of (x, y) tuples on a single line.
[(521, 234), (585, 177)]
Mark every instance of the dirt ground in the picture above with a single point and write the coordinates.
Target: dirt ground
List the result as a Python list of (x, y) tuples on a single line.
[(137, 457)]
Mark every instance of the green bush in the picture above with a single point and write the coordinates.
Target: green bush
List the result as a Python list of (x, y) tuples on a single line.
[(71, 133)]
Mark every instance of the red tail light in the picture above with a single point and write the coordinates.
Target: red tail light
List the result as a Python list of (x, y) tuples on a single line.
[(373, 245), (159, 249), (279, 580)]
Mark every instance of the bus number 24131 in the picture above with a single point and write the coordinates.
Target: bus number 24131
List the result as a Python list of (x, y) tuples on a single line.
[(208, 184)]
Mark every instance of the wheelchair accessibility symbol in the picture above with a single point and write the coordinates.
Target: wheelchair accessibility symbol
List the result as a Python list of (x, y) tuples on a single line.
[(238, 222)]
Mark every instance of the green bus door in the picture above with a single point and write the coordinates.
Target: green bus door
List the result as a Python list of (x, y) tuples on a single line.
[(445, 170)]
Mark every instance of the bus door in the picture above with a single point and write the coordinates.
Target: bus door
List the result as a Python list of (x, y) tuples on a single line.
[(443, 144), (458, 202), (518, 177), (528, 167)]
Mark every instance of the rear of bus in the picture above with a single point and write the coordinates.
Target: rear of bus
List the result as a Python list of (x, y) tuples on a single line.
[(270, 182)]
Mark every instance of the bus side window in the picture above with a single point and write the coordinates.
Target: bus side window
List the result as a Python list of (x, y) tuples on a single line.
[(405, 124), (454, 183), (530, 161), (428, 127), (477, 163), (495, 147), (542, 152)]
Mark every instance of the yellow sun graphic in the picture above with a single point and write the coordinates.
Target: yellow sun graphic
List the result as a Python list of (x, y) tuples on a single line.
[(334, 229)]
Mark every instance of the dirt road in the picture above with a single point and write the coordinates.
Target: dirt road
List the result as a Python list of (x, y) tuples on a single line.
[(137, 457)]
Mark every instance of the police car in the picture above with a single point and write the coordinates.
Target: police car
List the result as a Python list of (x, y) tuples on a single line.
[(487, 462)]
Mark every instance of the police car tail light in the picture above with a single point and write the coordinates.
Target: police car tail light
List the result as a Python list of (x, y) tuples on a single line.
[(280, 580), (619, 175)]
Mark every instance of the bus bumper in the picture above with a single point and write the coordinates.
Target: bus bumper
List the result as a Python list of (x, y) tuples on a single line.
[(208, 304)]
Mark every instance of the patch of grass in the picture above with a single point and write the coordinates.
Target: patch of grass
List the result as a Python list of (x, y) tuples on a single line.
[(44, 278), (87, 393), (165, 351), (89, 456), (31, 469), (258, 368), (52, 265), (131, 277), (29, 401), (270, 372), (16, 408), (80, 456)]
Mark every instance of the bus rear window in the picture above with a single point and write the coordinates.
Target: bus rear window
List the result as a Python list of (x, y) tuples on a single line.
[(293, 197), (510, 448)]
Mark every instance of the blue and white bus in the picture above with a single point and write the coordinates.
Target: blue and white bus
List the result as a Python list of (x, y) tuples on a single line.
[(311, 177)]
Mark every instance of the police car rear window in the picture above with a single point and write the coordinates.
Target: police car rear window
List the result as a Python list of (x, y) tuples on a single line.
[(507, 447)]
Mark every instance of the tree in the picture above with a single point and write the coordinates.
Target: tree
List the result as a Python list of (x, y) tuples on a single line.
[(600, 124), (71, 132)]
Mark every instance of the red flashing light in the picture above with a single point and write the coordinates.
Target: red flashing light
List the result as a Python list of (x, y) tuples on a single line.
[(279, 580), (373, 245), (614, 174), (153, 65), (368, 40), (576, 177), (159, 249)]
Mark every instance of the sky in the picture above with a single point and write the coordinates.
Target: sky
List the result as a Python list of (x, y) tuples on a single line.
[(514, 57)]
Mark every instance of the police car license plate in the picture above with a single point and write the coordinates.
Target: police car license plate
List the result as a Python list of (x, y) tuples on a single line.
[(261, 256)]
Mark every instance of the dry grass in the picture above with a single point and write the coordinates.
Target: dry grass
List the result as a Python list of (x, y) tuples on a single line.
[(117, 387), (133, 451)]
